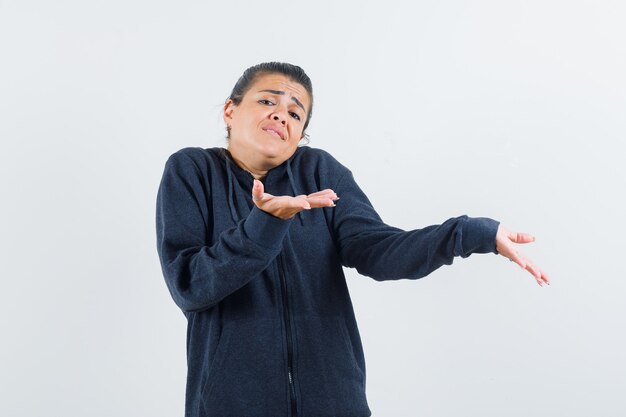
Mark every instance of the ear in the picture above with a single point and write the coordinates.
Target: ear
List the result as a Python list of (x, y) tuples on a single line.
[(229, 107)]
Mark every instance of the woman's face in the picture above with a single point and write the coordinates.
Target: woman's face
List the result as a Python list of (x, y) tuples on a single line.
[(266, 127)]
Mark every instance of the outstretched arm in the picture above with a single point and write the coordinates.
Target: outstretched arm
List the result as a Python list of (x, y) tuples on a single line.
[(384, 252)]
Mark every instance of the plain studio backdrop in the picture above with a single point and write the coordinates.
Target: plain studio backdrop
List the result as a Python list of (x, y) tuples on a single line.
[(512, 110)]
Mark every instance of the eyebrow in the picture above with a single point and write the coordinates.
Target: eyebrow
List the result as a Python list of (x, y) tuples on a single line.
[(282, 93)]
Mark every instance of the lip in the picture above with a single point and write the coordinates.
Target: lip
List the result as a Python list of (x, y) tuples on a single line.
[(276, 129)]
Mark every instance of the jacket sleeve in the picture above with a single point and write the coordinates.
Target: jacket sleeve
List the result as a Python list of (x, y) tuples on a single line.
[(384, 252), (200, 273)]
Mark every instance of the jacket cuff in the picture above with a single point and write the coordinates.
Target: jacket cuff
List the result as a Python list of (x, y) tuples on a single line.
[(264, 229), (479, 235)]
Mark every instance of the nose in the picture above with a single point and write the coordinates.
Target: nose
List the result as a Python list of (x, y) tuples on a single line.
[(282, 119), (280, 114)]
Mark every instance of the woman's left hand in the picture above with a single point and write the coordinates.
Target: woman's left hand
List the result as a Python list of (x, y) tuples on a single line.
[(505, 245)]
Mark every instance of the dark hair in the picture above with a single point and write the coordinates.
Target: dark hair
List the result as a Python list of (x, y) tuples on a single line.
[(293, 72)]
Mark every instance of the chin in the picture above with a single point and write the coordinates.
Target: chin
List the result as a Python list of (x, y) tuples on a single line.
[(272, 151)]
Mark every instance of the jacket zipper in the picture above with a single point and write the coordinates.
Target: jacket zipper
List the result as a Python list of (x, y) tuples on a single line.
[(290, 375), (292, 389)]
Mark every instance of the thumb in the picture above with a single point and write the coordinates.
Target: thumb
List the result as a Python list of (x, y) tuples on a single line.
[(257, 190), (521, 237)]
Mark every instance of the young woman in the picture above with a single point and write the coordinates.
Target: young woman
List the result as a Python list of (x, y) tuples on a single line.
[(252, 240)]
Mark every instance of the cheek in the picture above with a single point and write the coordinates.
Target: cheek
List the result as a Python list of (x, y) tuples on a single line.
[(246, 125), (297, 130)]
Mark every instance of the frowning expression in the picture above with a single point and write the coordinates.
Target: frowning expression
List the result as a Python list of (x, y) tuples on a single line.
[(268, 123)]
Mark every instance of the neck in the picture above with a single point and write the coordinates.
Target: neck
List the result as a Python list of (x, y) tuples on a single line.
[(257, 172)]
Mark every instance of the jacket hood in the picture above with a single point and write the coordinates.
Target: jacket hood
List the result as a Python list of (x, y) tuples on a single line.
[(245, 180)]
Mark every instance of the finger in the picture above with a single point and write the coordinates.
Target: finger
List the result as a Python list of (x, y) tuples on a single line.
[(257, 190), (518, 237), (331, 197), (536, 272), (544, 277), (325, 193), (539, 275), (321, 192), (301, 202), (317, 202), (516, 257)]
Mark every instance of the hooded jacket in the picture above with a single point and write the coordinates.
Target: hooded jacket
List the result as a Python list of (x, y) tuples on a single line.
[(271, 329)]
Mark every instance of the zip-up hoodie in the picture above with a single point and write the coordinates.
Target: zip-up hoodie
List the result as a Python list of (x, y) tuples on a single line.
[(271, 329)]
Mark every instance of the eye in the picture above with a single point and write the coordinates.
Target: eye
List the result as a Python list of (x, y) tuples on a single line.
[(295, 115), (264, 101)]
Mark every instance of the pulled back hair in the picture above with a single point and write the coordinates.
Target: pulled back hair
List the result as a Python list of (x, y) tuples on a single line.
[(293, 72)]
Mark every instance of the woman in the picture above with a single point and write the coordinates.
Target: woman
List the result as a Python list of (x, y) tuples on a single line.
[(252, 241)]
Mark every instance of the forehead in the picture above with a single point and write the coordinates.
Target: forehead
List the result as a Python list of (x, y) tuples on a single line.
[(281, 83)]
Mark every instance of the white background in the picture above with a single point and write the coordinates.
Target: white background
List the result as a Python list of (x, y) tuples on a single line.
[(513, 110)]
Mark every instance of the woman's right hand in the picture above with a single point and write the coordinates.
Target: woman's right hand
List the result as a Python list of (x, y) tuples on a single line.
[(285, 207)]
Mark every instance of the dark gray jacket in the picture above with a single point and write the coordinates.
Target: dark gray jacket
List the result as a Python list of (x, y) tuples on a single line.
[(271, 330)]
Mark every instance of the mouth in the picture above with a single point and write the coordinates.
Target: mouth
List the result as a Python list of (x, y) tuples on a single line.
[(274, 133)]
